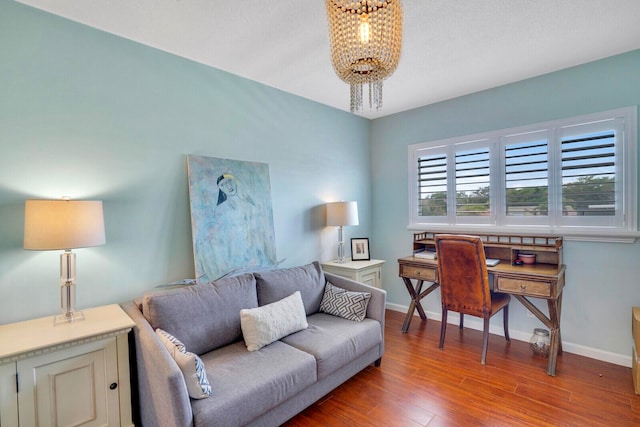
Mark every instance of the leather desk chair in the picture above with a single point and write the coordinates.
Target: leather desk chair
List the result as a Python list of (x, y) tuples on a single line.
[(464, 285)]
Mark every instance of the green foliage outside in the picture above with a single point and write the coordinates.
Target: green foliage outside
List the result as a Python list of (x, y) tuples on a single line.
[(578, 198)]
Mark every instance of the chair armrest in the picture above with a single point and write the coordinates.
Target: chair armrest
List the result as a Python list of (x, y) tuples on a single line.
[(160, 388)]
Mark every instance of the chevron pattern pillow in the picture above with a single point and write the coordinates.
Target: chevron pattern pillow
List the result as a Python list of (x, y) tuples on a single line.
[(193, 371), (343, 303)]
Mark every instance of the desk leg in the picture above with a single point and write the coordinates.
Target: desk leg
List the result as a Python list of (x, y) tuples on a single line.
[(553, 323), (555, 307), (416, 295), (415, 302), (557, 310)]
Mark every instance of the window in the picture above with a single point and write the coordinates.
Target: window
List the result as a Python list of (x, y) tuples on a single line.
[(574, 176), (432, 183), (527, 176), (472, 182)]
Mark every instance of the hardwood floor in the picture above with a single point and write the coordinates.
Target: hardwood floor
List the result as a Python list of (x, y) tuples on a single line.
[(419, 385)]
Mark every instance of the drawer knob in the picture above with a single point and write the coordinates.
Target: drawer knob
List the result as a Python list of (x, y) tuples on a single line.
[(418, 273), (523, 287), (113, 386)]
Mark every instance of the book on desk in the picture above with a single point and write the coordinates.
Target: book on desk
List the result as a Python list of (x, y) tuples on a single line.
[(425, 253), (428, 254)]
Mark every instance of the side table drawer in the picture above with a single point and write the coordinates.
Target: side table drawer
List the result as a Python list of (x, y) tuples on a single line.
[(525, 287), (420, 273)]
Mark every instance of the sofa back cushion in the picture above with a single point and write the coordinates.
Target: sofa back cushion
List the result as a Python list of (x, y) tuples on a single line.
[(275, 285), (204, 316)]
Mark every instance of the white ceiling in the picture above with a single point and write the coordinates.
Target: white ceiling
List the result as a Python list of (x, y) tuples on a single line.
[(451, 47)]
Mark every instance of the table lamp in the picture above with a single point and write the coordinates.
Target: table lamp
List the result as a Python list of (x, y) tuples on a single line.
[(342, 214), (64, 225)]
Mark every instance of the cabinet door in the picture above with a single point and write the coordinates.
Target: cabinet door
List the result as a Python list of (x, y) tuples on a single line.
[(70, 387), (8, 395)]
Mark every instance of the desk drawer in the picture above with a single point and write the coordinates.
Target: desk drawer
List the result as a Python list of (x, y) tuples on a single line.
[(420, 273), (524, 287)]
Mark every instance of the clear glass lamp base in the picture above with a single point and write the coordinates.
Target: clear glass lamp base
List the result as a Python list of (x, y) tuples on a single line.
[(68, 313), (70, 317), (341, 258)]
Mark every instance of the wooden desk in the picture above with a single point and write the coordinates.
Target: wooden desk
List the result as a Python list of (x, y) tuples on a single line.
[(541, 280)]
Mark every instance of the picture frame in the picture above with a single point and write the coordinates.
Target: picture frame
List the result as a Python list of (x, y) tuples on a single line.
[(360, 249)]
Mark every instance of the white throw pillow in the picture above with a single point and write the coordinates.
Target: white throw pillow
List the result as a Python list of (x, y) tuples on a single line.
[(195, 376), (343, 303), (263, 325)]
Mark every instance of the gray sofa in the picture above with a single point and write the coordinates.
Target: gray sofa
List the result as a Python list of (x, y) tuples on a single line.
[(260, 388)]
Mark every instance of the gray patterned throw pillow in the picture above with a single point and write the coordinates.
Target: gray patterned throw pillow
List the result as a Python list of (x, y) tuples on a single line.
[(347, 304)]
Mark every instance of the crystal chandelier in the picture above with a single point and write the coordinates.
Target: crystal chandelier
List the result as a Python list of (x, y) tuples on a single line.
[(366, 39)]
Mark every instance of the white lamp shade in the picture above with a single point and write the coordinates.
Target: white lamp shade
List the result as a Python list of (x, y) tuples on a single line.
[(342, 213), (63, 224)]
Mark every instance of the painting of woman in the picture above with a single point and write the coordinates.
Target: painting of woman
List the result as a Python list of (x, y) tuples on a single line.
[(231, 216)]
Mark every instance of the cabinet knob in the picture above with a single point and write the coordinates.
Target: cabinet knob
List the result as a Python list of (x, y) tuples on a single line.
[(113, 386), (523, 288)]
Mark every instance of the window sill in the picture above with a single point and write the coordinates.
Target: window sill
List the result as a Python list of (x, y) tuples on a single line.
[(574, 234)]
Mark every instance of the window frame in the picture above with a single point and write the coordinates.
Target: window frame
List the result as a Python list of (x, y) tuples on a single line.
[(622, 228)]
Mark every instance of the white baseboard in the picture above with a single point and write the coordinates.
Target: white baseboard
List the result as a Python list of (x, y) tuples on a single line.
[(476, 323)]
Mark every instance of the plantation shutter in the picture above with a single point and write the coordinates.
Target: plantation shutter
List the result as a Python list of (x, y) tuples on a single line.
[(576, 176), (472, 182), (589, 174), (432, 185), (527, 175)]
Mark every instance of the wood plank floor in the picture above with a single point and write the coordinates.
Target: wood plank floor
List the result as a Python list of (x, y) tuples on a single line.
[(419, 385)]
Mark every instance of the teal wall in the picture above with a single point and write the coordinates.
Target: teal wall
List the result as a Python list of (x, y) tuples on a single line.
[(602, 282), (94, 116)]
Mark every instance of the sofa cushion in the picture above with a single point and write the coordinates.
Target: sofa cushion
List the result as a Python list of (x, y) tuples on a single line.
[(193, 371), (263, 325), (335, 341), (347, 304), (204, 316), (249, 383), (277, 284)]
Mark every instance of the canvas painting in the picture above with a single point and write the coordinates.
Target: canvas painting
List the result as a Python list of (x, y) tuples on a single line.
[(231, 216)]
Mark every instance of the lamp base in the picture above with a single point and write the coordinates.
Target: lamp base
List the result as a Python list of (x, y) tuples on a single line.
[(68, 313), (341, 259), (70, 317)]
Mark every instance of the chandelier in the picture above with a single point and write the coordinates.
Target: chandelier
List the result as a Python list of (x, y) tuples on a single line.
[(366, 39)]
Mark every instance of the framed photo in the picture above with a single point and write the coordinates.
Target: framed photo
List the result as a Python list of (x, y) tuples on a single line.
[(360, 249)]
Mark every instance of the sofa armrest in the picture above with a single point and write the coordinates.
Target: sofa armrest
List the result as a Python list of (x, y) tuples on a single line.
[(160, 389), (377, 303)]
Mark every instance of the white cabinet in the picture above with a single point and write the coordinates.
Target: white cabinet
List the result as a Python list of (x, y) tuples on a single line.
[(74, 374), (368, 272)]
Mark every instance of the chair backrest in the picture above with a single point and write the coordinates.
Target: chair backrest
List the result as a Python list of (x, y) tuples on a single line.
[(462, 274)]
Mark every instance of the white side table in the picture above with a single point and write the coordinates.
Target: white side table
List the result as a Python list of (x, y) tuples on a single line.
[(70, 374), (368, 272)]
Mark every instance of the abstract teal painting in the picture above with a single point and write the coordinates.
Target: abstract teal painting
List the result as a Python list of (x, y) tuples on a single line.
[(231, 216)]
